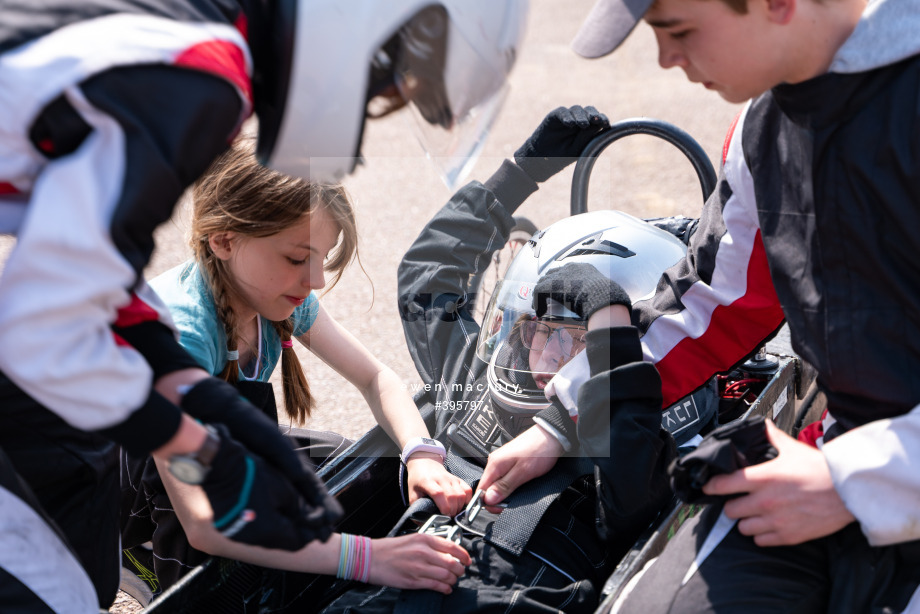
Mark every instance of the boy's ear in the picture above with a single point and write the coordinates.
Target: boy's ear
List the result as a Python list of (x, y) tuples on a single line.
[(780, 12), (222, 244)]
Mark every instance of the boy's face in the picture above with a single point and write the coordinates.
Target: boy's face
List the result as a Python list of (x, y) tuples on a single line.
[(736, 55)]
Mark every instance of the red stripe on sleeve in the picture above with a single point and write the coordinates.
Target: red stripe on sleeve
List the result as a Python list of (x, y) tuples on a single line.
[(8, 188), (242, 24), (733, 332), (728, 137), (221, 58), (812, 433), (136, 312)]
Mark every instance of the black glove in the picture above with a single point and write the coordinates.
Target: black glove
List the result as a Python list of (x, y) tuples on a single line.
[(724, 450), (559, 140), (216, 402), (579, 287), (253, 503)]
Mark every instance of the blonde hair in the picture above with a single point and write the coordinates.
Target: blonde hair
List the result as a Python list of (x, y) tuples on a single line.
[(238, 194)]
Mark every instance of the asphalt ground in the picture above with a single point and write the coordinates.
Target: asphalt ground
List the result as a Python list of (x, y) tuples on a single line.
[(398, 190)]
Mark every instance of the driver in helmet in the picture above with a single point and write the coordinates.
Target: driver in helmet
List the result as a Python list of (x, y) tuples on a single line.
[(556, 367), (110, 109), (523, 352)]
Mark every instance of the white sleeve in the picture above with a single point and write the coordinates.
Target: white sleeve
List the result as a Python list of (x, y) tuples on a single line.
[(875, 471), (568, 381), (64, 283)]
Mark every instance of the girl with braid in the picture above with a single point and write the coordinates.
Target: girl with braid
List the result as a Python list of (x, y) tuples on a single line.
[(263, 244)]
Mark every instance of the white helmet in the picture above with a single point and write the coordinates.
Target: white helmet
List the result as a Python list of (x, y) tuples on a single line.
[(627, 250), (449, 60)]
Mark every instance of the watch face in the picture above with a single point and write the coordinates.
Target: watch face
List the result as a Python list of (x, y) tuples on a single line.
[(186, 470)]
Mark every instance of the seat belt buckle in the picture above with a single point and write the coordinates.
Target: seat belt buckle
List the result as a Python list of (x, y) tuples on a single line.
[(441, 526), (473, 507)]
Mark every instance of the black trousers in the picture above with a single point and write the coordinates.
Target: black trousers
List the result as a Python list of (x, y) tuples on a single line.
[(69, 476), (839, 573)]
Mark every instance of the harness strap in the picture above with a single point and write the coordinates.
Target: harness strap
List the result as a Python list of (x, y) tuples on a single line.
[(510, 532), (422, 507), (462, 468), (526, 505)]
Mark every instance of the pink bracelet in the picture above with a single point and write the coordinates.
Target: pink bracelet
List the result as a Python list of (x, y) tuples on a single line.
[(354, 558)]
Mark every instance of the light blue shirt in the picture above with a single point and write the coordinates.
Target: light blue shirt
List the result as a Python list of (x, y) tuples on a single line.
[(201, 333)]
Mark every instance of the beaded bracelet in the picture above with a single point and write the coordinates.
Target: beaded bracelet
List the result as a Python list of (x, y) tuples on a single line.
[(354, 558)]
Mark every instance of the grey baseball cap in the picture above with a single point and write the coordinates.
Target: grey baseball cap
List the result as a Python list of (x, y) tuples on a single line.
[(607, 25)]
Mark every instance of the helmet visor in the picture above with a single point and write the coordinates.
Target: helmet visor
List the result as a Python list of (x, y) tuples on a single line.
[(525, 352), (454, 91)]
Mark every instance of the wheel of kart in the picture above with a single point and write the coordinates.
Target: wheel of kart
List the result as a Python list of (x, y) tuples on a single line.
[(480, 287)]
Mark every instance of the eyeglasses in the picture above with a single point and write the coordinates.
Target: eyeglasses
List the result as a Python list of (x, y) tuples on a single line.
[(570, 340)]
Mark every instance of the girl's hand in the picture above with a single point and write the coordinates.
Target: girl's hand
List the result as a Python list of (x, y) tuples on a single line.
[(418, 561), (428, 477)]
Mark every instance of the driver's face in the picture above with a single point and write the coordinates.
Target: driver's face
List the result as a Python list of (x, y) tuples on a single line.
[(560, 342)]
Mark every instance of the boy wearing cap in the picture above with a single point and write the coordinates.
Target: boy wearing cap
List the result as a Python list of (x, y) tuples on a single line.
[(812, 221)]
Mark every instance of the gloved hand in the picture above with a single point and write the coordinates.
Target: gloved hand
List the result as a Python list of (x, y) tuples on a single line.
[(725, 450), (253, 503), (216, 402), (579, 287), (559, 140)]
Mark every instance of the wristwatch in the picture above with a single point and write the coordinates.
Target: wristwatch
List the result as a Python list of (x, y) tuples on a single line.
[(423, 444), (193, 468)]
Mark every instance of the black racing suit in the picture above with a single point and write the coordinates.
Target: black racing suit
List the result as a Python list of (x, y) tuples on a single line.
[(610, 488), (813, 220), (109, 110)]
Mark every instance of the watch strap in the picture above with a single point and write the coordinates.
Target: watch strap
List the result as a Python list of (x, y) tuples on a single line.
[(201, 459), (423, 444), (209, 448)]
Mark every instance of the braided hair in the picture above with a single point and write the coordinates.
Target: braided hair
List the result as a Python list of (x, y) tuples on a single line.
[(238, 194)]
